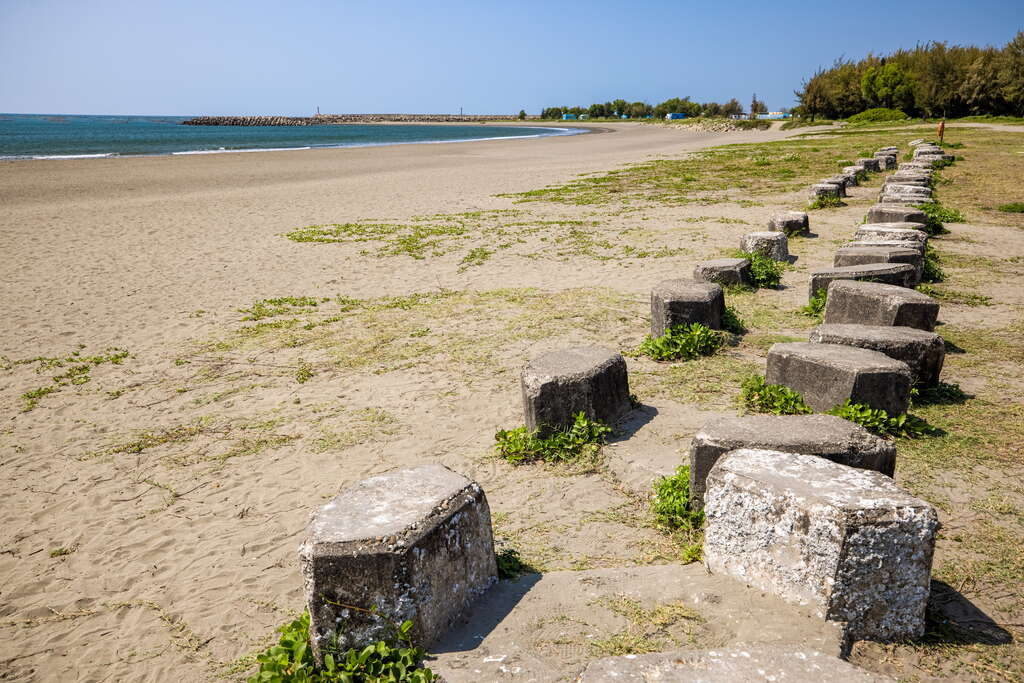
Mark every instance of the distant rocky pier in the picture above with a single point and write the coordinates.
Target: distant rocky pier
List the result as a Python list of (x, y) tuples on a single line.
[(322, 119)]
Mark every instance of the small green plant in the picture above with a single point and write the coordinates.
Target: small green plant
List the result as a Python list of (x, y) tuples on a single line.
[(62, 551), (579, 442), (291, 660), (877, 115), (765, 272), (674, 514), (511, 564), (475, 257), (881, 423), (825, 202), (815, 307), (937, 215), (268, 308), (1012, 207), (304, 372), (732, 322), (760, 397), (932, 271), (682, 342)]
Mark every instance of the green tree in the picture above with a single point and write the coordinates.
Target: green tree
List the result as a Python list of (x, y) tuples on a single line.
[(1011, 74), (887, 85), (619, 107), (732, 108), (522, 114)]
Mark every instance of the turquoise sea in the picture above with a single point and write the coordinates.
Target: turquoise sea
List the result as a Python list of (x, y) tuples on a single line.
[(41, 136)]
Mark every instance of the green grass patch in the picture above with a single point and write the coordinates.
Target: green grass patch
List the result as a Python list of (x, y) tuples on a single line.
[(1012, 207), (825, 202), (932, 271), (938, 216), (760, 397), (765, 272), (286, 305), (77, 368), (674, 514), (682, 342), (953, 296), (579, 443), (732, 322)]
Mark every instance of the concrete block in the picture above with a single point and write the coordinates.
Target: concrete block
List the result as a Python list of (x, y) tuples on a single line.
[(412, 544), (774, 245), (826, 436), (681, 302), (724, 271), (838, 180), (923, 352), (858, 256), (847, 542), (874, 303), (892, 149), (887, 160), (899, 274), (917, 246), (891, 232), (904, 199), (739, 663), (559, 384), (825, 190), (851, 174), (872, 164), (926, 166), (790, 222), (826, 375)]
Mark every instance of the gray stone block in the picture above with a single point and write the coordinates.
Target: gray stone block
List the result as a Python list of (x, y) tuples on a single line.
[(847, 542), (917, 246), (825, 190), (826, 436), (858, 256), (891, 232), (912, 192), (886, 160), (413, 544), (735, 665), (899, 274), (724, 271), (922, 150), (838, 180), (559, 384), (774, 245), (852, 175), (873, 303), (923, 352), (872, 164), (918, 165), (904, 199), (891, 149), (903, 181), (790, 222), (826, 375), (681, 302)]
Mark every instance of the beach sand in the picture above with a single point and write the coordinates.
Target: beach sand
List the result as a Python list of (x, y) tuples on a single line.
[(152, 514)]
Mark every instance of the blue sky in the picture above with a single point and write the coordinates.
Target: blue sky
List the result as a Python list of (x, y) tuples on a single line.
[(288, 57)]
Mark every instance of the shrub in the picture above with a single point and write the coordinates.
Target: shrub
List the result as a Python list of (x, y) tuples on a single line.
[(511, 565), (877, 115), (937, 215), (291, 660), (815, 307), (682, 342), (825, 203), (759, 397), (932, 271), (732, 322), (765, 272), (673, 513), (581, 441), (881, 423), (1013, 207)]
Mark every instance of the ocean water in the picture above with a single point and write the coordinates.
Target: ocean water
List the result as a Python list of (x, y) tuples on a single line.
[(39, 136)]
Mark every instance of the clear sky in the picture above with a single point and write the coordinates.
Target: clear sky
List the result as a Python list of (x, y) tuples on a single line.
[(288, 57)]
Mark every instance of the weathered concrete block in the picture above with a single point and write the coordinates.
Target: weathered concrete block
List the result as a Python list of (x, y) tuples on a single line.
[(917, 246), (891, 149), (852, 174), (411, 544), (774, 245), (926, 166), (858, 256), (681, 302), (826, 436), (724, 271), (922, 150), (829, 374), (886, 160), (915, 143), (899, 274), (825, 190), (904, 199), (872, 164), (838, 180), (923, 352), (741, 663), (902, 180), (873, 303), (790, 222), (911, 192), (848, 542), (559, 384), (891, 232), (935, 157)]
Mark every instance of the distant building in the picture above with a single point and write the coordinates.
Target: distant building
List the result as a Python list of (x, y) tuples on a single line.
[(568, 117), (584, 117), (773, 115), (737, 116), (673, 117)]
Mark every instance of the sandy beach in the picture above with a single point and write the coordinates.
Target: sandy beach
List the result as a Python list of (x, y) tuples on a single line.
[(152, 512)]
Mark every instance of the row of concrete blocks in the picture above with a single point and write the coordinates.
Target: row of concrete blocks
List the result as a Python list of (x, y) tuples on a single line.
[(836, 186), (773, 243)]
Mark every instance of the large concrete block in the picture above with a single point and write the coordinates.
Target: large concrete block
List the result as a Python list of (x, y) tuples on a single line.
[(839, 180), (735, 665), (894, 244), (827, 190), (886, 160), (892, 193), (923, 352), (875, 303), (559, 384), (847, 542), (899, 274), (826, 436), (681, 302), (891, 232), (790, 222), (904, 199), (413, 544), (724, 271), (858, 256), (826, 375), (774, 245), (871, 164), (885, 213), (891, 149), (852, 175)]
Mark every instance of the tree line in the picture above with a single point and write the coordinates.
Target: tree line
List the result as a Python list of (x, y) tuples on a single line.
[(639, 110), (932, 80)]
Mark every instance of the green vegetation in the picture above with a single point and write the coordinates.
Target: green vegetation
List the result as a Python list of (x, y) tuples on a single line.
[(932, 271), (815, 307), (579, 443), (511, 565), (937, 215), (759, 397), (291, 660), (673, 514), (877, 115), (765, 272), (269, 308), (881, 423), (1013, 207), (955, 297), (77, 372), (682, 342), (639, 110), (732, 322), (825, 202)]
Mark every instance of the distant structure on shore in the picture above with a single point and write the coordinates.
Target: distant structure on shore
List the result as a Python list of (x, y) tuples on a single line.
[(322, 119)]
